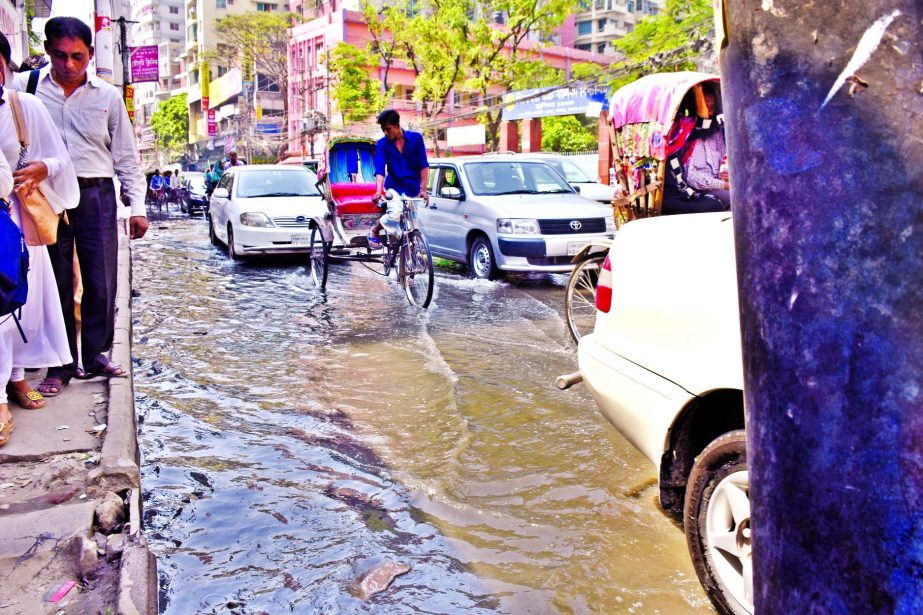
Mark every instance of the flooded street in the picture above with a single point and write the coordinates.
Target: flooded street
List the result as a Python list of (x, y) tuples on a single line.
[(292, 441)]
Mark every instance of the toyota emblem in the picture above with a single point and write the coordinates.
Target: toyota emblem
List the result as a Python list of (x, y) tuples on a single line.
[(302, 218), (576, 225)]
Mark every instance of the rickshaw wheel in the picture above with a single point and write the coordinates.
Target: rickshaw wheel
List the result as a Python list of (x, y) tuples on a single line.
[(416, 270), (580, 296), (320, 257)]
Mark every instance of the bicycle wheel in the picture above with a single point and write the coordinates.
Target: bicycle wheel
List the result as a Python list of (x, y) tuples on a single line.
[(580, 296), (320, 258), (416, 269)]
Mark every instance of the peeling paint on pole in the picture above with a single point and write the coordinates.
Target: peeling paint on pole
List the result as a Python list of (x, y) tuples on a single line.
[(825, 135)]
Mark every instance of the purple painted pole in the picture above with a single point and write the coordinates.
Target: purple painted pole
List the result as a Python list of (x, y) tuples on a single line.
[(824, 102)]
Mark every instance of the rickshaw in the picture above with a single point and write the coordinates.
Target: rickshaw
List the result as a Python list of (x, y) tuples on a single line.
[(651, 120), (346, 179)]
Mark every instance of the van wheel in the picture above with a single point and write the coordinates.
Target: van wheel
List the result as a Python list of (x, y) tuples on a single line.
[(717, 523), (481, 264)]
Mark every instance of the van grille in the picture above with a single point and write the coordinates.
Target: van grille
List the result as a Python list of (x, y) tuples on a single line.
[(563, 227)]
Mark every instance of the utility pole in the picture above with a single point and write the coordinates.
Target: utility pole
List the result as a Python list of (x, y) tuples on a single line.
[(124, 51), (825, 138)]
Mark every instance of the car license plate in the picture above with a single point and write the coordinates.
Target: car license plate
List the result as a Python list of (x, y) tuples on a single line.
[(301, 240), (573, 247)]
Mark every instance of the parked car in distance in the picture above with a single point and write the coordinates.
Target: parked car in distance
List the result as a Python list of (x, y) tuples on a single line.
[(664, 366), (587, 184), (264, 209), (498, 213), (195, 197)]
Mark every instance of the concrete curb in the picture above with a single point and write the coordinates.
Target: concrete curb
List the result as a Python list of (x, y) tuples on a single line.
[(118, 468)]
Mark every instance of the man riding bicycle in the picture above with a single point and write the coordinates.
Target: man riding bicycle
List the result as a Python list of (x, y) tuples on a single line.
[(402, 154)]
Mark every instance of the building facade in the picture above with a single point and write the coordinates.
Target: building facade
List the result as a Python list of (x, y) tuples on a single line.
[(162, 24), (243, 109), (312, 113), (603, 21)]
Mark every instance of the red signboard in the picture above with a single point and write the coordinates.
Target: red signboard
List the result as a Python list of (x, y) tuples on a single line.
[(212, 124), (145, 63)]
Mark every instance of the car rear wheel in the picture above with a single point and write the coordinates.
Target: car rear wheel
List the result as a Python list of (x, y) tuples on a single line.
[(481, 264), (717, 523), (232, 251), (211, 232)]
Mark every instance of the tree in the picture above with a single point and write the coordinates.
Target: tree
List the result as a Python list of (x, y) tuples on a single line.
[(674, 38), (257, 42), (355, 93), (170, 124), (497, 53), (566, 133)]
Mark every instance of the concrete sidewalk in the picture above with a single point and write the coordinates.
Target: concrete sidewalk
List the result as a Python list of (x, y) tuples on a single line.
[(70, 492)]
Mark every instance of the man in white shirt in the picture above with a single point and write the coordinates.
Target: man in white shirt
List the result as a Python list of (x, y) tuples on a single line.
[(93, 121)]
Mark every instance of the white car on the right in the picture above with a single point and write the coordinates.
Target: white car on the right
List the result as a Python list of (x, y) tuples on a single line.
[(664, 366)]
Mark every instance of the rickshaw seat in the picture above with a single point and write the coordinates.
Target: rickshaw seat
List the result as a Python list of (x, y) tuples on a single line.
[(354, 198)]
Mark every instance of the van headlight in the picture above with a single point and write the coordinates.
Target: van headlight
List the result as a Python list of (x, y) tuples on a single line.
[(518, 226), (251, 218), (610, 224)]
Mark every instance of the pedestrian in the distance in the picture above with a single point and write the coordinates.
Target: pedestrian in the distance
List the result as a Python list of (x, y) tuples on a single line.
[(93, 122)]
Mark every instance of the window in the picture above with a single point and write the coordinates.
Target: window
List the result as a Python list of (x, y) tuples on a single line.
[(265, 7), (631, 6), (584, 27), (583, 46), (174, 10), (601, 25), (601, 48), (221, 4), (174, 26)]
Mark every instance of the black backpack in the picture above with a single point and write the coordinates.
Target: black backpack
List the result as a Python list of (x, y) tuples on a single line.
[(14, 267)]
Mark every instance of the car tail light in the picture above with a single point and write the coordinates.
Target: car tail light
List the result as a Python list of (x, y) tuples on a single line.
[(604, 287)]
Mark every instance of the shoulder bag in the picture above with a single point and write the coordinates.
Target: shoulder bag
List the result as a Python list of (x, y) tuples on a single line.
[(39, 221)]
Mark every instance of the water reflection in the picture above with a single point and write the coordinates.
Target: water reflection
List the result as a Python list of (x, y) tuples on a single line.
[(294, 440)]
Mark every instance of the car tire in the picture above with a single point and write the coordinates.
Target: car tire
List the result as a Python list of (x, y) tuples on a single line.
[(717, 523), (182, 207), (481, 263), (232, 251), (211, 232)]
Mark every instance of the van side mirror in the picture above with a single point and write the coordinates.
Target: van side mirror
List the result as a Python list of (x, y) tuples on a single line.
[(449, 192), (221, 193)]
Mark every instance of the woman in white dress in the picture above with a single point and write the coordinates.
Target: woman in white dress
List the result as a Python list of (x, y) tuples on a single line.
[(50, 168)]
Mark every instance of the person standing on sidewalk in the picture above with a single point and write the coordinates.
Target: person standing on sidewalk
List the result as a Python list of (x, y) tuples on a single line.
[(46, 165), (93, 122)]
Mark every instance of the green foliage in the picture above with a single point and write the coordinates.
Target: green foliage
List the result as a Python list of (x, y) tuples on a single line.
[(566, 133), (356, 94), (170, 124), (679, 23), (35, 41), (497, 54)]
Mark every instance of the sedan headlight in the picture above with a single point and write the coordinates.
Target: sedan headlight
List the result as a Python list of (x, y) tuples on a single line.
[(518, 226), (251, 218)]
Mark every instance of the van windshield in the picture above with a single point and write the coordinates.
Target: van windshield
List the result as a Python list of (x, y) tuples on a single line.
[(515, 177)]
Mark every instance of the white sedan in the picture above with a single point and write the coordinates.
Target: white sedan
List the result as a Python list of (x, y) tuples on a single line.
[(264, 209), (664, 366)]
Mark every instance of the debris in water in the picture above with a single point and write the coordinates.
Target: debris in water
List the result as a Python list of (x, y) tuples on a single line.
[(637, 490), (378, 579), (56, 594)]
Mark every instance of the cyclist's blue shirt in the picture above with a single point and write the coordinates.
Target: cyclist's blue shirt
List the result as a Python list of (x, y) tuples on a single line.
[(156, 182), (403, 168)]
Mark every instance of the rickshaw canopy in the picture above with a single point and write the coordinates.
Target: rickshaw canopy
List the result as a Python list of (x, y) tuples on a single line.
[(653, 98)]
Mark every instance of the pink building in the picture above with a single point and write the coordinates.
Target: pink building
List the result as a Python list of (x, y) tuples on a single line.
[(312, 113)]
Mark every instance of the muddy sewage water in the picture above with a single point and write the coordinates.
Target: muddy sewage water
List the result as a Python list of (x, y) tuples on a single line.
[(294, 441)]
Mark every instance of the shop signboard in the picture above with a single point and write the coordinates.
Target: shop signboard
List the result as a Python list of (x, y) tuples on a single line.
[(145, 63)]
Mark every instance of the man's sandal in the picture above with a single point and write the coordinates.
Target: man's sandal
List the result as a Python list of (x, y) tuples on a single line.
[(49, 387), (27, 400)]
